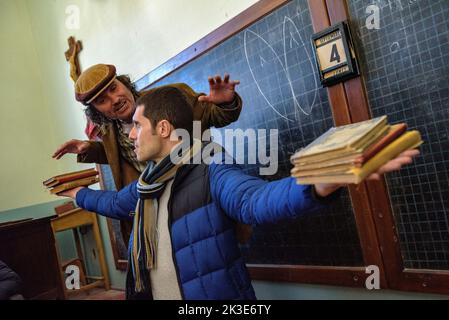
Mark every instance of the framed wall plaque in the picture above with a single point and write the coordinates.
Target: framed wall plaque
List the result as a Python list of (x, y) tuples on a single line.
[(335, 54)]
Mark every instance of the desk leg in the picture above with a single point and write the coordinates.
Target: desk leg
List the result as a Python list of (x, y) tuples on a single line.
[(79, 251), (101, 256), (61, 272)]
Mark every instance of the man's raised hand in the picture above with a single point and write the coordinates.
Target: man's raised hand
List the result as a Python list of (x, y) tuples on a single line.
[(72, 146), (221, 91)]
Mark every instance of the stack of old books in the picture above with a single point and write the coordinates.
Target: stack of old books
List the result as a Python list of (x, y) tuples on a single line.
[(348, 154), (71, 180)]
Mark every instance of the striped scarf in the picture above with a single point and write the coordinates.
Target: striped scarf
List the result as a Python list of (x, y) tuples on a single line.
[(142, 256)]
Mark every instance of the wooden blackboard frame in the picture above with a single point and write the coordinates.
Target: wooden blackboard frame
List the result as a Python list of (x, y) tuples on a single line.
[(371, 203)]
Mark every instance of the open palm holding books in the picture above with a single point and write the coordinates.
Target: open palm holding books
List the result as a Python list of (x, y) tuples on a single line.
[(406, 157), (349, 154)]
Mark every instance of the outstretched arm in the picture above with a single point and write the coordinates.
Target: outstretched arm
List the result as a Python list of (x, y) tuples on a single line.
[(111, 204), (251, 200)]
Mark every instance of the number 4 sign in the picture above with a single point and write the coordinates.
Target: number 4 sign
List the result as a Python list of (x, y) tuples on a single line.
[(335, 54)]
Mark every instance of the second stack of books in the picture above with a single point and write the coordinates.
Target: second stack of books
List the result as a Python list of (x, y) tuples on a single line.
[(71, 180), (348, 154)]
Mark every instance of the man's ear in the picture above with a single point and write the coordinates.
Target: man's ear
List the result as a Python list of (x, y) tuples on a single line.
[(165, 128)]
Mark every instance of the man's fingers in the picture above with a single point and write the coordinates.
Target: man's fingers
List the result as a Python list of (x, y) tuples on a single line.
[(72, 146), (374, 176), (392, 165), (233, 84), (203, 98), (59, 156), (59, 150), (62, 149), (405, 160), (395, 164), (410, 153), (216, 80), (64, 146)]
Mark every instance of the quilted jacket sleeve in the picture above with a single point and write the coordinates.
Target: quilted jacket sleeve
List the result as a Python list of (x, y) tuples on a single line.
[(111, 204), (252, 200)]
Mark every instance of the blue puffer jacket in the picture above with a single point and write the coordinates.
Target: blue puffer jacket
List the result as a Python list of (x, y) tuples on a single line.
[(205, 202)]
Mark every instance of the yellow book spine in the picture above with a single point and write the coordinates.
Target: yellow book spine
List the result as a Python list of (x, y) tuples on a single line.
[(408, 140)]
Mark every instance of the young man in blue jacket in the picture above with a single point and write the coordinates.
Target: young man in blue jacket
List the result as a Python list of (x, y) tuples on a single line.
[(183, 244)]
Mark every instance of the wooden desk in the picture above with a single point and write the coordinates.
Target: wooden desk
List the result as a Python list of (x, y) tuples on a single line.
[(28, 248), (77, 218)]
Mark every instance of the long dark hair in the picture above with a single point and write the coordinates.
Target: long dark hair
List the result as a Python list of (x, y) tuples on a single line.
[(97, 117)]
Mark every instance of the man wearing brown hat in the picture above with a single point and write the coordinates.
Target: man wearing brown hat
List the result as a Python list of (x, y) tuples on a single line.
[(110, 104)]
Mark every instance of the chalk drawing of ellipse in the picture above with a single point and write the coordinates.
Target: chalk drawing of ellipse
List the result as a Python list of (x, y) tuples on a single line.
[(299, 67), (264, 64)]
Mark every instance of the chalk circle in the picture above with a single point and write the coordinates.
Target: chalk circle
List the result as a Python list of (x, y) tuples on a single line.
[(394, 47)]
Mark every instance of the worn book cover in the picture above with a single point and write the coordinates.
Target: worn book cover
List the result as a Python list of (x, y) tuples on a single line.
[(348, 139), (339, 168), (334, 157), (66, 177), (75, 183)]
